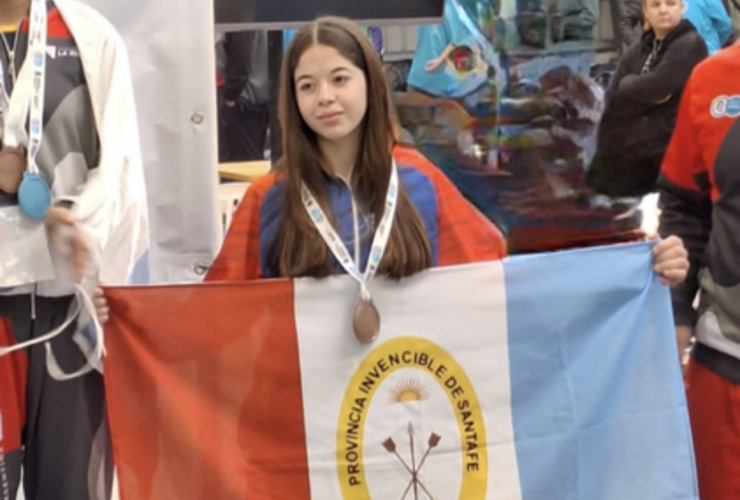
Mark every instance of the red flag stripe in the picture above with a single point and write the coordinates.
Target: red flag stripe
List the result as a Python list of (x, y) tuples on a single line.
[(185, 348)]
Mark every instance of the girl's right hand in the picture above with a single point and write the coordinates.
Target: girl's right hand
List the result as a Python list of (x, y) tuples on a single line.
[(101, 305)]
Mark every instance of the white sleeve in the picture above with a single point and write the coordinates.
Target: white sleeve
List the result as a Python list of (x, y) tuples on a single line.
[(111, 205)]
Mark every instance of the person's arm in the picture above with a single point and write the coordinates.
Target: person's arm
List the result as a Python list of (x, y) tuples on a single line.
[(686, 208), (622, 70), (12, 166), (628, 30), (669, 76), (110, 208), (434, 64)]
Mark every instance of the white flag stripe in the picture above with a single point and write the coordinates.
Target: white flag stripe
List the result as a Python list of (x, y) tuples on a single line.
[(430, 379)]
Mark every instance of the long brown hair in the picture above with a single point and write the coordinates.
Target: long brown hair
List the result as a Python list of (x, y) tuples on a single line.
[(298, 249)]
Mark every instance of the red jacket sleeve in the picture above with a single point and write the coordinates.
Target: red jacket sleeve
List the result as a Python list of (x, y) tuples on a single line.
[(685, 197), (465, 235), (239, 258), (682, 162)]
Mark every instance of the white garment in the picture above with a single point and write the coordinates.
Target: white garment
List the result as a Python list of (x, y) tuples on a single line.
[(111, 203), (650, 215), (171, 47)]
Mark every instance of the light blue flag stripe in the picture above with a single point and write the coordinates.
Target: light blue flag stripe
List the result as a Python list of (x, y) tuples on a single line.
[(599, 409)]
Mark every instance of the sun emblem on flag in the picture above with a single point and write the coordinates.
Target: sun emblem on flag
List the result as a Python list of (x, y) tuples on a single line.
[(407, 391)]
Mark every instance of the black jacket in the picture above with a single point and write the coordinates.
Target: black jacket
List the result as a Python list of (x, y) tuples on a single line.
[(641, 112)]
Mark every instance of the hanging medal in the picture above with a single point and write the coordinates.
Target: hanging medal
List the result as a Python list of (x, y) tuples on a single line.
[(366, 318), (34, 195)]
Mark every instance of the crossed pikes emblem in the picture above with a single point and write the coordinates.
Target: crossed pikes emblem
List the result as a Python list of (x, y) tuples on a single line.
[(414, 470)]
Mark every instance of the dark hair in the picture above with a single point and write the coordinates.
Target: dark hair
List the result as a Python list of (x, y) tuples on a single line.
[(298, 249)]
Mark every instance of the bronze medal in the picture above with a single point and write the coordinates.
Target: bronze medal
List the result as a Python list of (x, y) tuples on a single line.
[(366, 321)]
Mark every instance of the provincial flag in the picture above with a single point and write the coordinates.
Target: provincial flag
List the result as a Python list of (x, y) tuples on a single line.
[(544, 377)]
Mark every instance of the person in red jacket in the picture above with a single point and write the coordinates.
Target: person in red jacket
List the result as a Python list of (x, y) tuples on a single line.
[(700, 202)]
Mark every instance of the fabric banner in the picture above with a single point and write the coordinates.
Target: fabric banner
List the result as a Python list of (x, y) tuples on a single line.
[(505, 98), (543, 377)]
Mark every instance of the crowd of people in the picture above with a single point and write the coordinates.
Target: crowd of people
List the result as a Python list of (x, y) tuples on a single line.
[(670, 126)]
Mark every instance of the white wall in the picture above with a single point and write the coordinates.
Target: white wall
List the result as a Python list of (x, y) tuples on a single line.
[(171, 49)]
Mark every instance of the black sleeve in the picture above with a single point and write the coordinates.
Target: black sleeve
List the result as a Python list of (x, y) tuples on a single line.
[(687, 214), (624, 67), (236, 46), (669, 76)]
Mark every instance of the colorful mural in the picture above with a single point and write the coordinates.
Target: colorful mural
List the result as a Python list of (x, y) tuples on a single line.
[(500, 97)]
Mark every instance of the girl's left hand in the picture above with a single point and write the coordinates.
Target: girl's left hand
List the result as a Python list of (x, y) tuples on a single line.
[(101, 305), (671, 261), (68, 235)]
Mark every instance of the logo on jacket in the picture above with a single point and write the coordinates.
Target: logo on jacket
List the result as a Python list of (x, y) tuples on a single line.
[(725, 106)]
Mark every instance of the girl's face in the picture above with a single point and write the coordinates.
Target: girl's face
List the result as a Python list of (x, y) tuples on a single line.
[(331, 93), (663, 15)]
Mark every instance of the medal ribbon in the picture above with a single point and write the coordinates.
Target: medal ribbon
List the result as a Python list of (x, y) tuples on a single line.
[(37, 53), (37, 57), (337, 247)]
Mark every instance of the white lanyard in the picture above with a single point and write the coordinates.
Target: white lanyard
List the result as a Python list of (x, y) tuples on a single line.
[(81, 302), (4, 99), (37, 55), (337, 247)]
